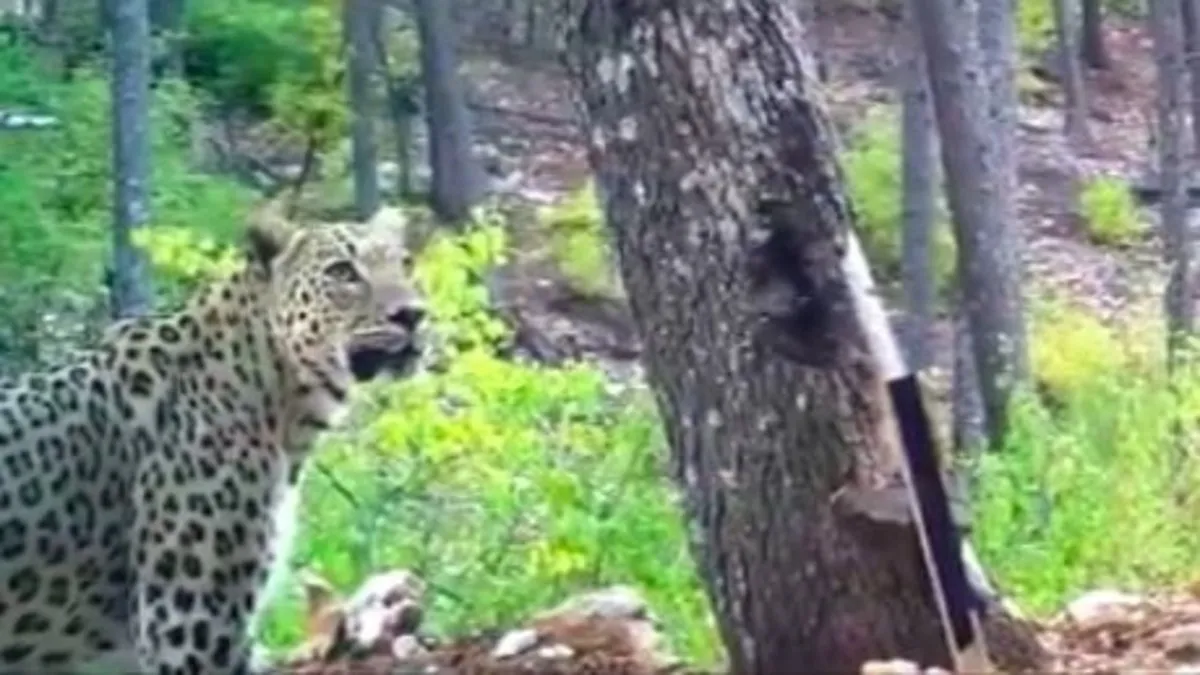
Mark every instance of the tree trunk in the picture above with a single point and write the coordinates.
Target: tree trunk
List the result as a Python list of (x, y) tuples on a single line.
[(167, 21), (730, 221), (360, 18), (1092, 46), (130, 289), (970, 424), (1191, 36), (920, 179), (1167, 26), (808, 12), (457, 177), (981, 187), (1075, 107)]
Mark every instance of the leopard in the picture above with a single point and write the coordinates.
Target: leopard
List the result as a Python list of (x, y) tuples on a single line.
[(148, 480)]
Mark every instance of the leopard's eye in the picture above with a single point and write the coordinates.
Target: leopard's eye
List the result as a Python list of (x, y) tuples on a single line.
[(343, 271)]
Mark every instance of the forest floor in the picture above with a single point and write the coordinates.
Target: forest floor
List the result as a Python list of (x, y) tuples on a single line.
[(528, 128)]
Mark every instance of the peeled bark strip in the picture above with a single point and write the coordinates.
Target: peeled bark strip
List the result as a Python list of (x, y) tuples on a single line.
[(708, 138)]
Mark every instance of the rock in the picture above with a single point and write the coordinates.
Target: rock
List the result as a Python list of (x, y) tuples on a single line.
[(893, 667), (407, 647), (515, 642), (386, 606), (614, 602), (1103, 608), (555, 651), (1181, 642)]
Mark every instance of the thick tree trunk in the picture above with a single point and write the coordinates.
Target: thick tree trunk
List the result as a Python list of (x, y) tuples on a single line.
[(979, 166), (730, 222), (1092, 45)]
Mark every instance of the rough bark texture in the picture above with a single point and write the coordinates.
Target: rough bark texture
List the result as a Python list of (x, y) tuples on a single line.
[(1075, 108), (1167, 26), (130, 288), (977, 126), (361, 18), (1092, 47), (709, 139), (457, 177), (921, 188)]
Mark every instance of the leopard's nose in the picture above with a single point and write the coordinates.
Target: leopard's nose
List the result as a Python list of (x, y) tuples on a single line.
[(409, 316)]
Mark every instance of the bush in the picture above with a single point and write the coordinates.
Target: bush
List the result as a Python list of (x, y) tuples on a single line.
[(871, 165), (1082, 496), (1110, 212), (579, 244), (1035, 26)]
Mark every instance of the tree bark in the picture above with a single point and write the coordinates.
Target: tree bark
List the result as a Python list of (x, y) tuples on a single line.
[(920, 184), (730, 220), (1191, 41), (1075, 107), (1091, 45), (130, 288), (457, 177), (360, 18), (981, 186), (1167, 26)]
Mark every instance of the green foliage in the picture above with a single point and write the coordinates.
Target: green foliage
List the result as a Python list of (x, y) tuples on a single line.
[(579, 243), (56, 208), (1035, 26), (871, 166), (448, 272), (1082, 496), (505, 485), (1110, 212)]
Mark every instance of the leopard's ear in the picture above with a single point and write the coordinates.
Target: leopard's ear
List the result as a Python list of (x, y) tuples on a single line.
[(267, 234)]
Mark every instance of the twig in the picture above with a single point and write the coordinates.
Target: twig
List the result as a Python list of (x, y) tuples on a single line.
[(338, 485)]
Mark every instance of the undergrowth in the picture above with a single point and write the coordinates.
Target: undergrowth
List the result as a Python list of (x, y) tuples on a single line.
[(1082, 494), (871, 165), (1109, 211)]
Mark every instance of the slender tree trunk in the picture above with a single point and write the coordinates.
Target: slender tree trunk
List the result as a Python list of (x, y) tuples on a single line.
[(1191, 35), (1075, 108), (458, 182), (361, 17), (1167, 26), (729, 216), (970, 423), (1091, 45), (980, 181), (921, 188), (130, 287)]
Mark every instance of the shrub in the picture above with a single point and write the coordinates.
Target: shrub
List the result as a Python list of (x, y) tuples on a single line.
[(871, 166), (1035, 26), (579, 244), (1082, 496), (1110, 212)]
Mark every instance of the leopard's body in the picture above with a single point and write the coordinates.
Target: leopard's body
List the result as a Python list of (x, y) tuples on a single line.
[(143, 485)]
